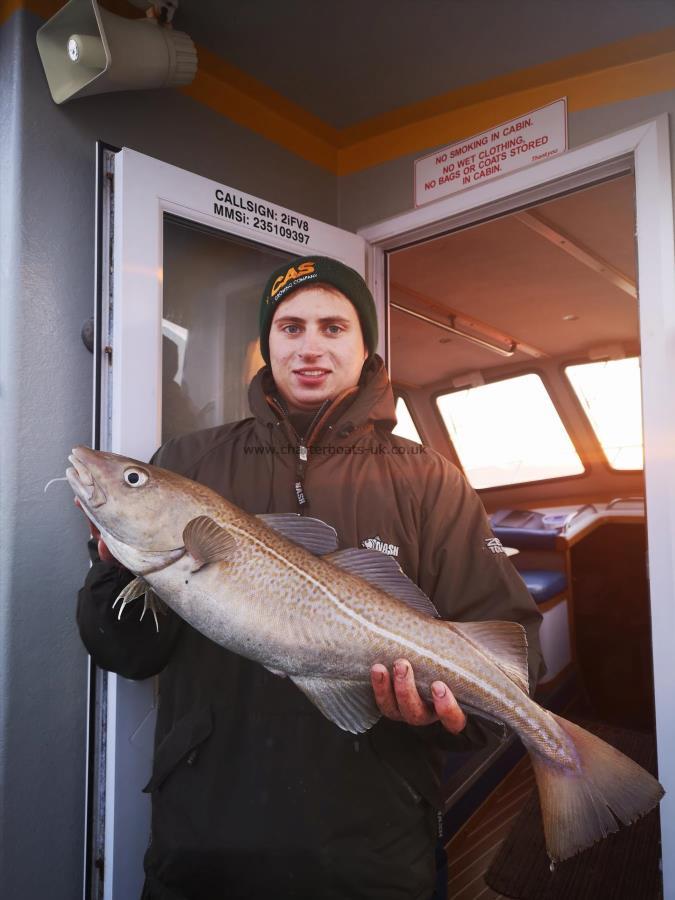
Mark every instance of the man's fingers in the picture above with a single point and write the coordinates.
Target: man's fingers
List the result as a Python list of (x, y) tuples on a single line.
[(399, 699), (411, 706), (447, 709), (104, 553), (384, 692)]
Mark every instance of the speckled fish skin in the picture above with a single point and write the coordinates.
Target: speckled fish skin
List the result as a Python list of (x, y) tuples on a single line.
[(298, 614), (278, 604)]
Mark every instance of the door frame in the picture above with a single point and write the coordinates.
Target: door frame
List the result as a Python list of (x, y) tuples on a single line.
[(142, 189), (645, 150)]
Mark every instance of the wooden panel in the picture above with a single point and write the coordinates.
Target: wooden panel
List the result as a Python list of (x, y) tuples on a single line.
[(471, 851)]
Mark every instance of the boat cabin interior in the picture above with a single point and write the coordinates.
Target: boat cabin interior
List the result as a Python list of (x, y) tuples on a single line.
[(515, 353)]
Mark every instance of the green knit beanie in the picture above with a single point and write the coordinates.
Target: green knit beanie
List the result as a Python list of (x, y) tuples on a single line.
[(307, 270)]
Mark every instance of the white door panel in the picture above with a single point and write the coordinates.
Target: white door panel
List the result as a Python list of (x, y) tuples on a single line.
[(235, 240)]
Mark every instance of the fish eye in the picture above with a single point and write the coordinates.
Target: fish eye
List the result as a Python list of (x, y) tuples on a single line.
[(135, 477)]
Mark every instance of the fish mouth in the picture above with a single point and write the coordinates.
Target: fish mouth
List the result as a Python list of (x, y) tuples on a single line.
[(83, 483)]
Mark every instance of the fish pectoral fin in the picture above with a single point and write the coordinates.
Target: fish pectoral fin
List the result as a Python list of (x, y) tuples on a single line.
[(383, 572), (504, 642), (349, 704), (207, 542), (314, 535)]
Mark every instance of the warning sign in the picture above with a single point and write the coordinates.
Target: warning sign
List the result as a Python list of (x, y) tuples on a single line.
[(512, 145)]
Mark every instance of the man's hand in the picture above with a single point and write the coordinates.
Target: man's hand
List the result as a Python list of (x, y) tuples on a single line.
[(402, 702), (103, 552)]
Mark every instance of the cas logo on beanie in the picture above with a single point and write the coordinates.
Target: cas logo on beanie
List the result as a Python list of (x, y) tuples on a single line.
[(304, 269)]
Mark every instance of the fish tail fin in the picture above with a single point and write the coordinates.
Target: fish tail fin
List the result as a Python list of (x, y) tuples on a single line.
[(577, 806)]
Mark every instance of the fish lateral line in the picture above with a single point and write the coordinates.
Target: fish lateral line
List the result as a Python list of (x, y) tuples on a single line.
[(425, 653)]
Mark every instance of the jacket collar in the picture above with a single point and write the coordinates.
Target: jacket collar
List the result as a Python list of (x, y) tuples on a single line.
[(367, 406)]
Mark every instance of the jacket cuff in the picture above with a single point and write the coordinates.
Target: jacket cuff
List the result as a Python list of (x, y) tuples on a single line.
[(476, 734)]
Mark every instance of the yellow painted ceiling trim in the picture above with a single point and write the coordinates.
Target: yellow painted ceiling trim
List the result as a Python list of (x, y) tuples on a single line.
[(586, 91), (276, 123), (47, 8), (7, 7), (218, 68), (624, 70), (643, 46)]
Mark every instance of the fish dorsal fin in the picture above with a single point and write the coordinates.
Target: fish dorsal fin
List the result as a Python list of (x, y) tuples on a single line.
[(383, 572), (350, 704), (312, 534), (207, 542), (504, 642)]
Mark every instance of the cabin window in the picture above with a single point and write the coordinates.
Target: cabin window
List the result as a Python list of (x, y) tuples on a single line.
[(508, 432), (405, 427), (609, 392)]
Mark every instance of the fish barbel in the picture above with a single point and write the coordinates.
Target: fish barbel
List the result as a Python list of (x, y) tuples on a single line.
[(276, 589)]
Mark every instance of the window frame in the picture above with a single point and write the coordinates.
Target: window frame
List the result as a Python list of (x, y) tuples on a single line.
[(525, 370), (602, 456), (406, 399)]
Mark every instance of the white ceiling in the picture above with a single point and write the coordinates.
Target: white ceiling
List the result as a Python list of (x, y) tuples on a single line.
[(511, 279)]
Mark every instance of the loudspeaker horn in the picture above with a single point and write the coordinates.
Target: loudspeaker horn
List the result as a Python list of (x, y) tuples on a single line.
[(87, 50)]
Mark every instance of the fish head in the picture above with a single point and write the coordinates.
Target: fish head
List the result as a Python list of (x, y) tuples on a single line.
[(140, 510)]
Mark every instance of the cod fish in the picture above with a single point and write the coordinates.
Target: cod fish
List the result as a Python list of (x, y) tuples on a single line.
[(276, 589)]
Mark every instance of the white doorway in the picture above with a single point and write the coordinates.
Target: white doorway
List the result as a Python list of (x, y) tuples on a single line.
[(644, 150)]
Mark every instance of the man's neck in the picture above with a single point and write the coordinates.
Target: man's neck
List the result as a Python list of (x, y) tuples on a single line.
[(301, 419)]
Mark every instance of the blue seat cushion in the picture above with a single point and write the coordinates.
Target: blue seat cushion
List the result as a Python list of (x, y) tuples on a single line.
[(544, 584), (526, 538)]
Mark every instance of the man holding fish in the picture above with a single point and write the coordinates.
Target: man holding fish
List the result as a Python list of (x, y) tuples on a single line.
[(255, 792)]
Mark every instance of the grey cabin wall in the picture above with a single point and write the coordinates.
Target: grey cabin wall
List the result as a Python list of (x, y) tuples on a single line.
[(387, 190), (47, 158)]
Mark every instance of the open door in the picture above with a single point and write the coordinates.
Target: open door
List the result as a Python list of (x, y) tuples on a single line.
[(643, 150), (183, 261)]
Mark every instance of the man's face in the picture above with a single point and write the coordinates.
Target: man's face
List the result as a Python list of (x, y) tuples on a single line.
[(316, 346)]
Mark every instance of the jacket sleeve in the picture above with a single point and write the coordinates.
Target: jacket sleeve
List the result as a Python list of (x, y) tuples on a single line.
[(127, 646), (464, 570)]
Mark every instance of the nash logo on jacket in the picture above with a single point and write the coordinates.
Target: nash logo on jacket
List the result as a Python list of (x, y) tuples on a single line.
[(376, 543)]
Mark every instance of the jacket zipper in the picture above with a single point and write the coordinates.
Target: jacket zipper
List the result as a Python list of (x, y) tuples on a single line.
[(302, 451)]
